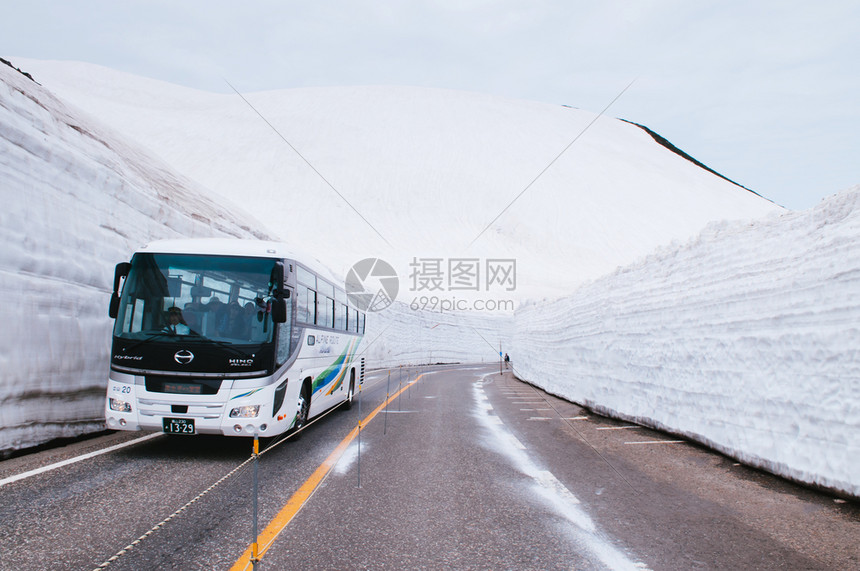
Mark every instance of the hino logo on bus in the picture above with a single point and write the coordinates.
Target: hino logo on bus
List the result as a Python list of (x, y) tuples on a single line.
[(240, 362), (183, 357)]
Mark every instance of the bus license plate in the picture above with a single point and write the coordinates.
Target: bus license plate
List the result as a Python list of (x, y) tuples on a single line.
[(178, 425)]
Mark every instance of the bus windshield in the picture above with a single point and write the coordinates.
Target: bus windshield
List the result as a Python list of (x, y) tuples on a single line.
[(187, 296)]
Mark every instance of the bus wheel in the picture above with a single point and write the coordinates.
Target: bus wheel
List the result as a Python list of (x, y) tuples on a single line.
[(350, 396), (304, 408)]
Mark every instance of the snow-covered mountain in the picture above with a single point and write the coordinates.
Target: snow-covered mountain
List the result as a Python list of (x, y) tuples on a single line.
[(427, 169)]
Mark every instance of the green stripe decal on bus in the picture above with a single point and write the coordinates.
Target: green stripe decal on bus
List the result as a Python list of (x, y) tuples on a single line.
[(249, 393), (335, 373)]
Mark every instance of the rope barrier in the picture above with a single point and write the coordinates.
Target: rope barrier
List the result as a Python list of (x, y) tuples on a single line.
[(232, 472)]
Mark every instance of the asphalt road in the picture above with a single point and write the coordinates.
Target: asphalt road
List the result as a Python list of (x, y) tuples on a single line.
[(466, 469)]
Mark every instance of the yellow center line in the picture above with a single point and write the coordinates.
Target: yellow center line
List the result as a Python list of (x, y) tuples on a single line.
[(302, 495)]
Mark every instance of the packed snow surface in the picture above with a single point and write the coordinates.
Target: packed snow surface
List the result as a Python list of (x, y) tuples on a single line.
[(744, 338)]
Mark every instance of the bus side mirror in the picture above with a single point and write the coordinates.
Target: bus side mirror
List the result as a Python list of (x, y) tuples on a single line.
[(120, 272), (277, 279), (113, 310), (279, 310)]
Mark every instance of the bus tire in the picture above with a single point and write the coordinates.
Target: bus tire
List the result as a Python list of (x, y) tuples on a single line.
[(350, 395), (304, 407)]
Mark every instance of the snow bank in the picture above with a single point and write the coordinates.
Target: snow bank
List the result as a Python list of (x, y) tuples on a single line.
[(76, 200), (746, 339)]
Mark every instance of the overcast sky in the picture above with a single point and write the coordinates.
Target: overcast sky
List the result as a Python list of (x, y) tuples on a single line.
[(766, 93)]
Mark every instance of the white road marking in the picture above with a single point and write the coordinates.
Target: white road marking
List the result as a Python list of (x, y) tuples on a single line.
[(56, 465), (616, 427), (576, 418), (539, 418), (657, 442)]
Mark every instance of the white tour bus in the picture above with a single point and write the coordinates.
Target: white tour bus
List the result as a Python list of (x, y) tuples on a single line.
[(232, 337)]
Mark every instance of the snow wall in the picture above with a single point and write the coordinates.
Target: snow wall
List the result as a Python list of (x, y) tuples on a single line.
[(746, 339)]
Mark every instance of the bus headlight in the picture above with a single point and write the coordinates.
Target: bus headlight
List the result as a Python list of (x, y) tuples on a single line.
[(247, 411), (120, 405)]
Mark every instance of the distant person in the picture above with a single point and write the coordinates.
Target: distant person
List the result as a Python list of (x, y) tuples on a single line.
[(507, 361), (175, 324)]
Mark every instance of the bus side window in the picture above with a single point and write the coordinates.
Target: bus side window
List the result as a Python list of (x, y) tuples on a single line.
[(306, 278), (319, 318), (285, 342), (312, 306), (306, 304), (340, 321), (321, 311)]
